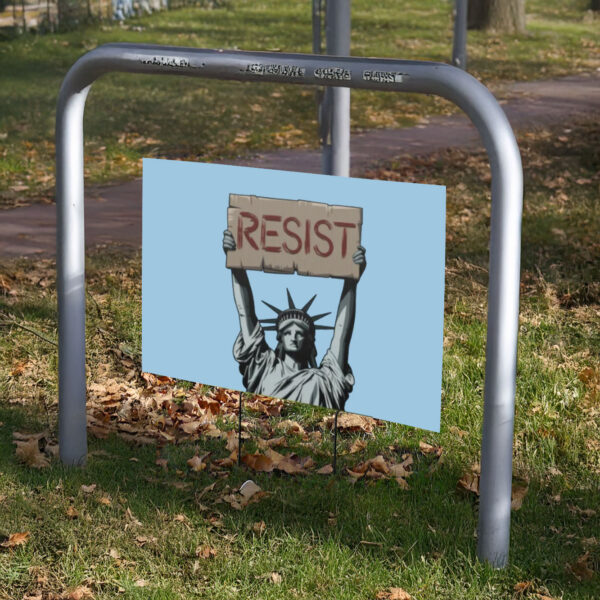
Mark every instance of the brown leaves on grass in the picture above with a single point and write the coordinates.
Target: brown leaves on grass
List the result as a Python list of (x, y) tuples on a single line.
[(394, 593), (470, 482), (351, 422), (80, 593), (380, 468), (16, 539), (248, 493), (34, 449), (196, 463), (206, 552), (292, 464), (581, 568)]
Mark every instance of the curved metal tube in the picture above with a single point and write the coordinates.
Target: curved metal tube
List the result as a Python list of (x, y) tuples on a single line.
[(391, 75)]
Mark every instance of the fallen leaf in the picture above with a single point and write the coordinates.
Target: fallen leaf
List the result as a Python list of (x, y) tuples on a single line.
[(72, 512), (206, 552), (326, 470), (469, 482), (89, 489), (180, 518), (394, 593), (378, 464), (402, 483), (259, 527), (276, 577), (105, 500), (456, 431), (141, 583), (142, 540), (591, 541), (398, 470), (16, 539), (351, 422), (196, 463), (80, 592), (28, 452), (357, 446), (522, 586), (581, 568), (248, 489), (519, 491), (258, 462), (132, 519), (429, 449), (291, 427), (19, 367)]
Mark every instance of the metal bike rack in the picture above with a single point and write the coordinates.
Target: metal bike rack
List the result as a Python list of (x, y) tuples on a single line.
[(378, 74)]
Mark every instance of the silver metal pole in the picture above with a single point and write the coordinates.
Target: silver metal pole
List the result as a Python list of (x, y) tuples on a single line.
[(391, 75), (338, 44), (71, 277), (459, 46)]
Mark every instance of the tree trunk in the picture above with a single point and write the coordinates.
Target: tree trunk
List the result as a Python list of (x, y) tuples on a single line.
[(505, 16), (595, 5)]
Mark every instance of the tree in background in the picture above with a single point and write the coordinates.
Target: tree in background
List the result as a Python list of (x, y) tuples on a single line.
[(506, 16)]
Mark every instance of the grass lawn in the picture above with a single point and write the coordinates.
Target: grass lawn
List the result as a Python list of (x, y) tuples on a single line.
[(128, 117), (155, 526)]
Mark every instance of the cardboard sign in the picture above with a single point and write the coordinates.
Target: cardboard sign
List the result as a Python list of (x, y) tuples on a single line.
[(335, 306), (282, 236)]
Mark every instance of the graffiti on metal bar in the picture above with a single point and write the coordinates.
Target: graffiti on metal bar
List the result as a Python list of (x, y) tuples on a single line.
[(384, 76), (281, 70), (336, 73), (169, 61)]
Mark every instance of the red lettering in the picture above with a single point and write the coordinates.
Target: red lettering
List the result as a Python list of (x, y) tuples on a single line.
[(344, 226), (323, 237), (264, 232), (307, 237), (246, 231), (292, 234)]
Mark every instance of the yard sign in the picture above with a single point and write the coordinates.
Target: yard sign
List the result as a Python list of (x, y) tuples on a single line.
[(352, 268)]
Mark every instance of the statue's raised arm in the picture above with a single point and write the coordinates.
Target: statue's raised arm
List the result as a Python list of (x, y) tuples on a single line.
[(242, 292), (344, 321)]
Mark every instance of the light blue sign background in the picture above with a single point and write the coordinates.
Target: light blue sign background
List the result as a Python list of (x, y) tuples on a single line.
[(189, 319)]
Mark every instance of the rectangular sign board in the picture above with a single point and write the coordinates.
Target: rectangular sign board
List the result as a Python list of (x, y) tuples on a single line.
[(279, 236), (324, 290)]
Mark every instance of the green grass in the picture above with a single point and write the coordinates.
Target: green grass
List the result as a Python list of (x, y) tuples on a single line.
[(129, 117), (422, 539)]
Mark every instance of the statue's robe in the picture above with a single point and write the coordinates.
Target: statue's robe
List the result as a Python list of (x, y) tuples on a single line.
[(264, 373)]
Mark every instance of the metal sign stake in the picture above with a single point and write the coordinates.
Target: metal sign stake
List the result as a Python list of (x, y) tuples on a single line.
[(339, 72)]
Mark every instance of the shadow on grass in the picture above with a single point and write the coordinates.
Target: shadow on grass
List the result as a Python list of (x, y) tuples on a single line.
[(376, 520)]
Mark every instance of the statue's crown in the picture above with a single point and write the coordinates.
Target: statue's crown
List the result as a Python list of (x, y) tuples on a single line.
[(293, 314)]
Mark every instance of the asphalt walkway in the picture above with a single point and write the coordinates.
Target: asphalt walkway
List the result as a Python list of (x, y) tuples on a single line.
[(113, 213)]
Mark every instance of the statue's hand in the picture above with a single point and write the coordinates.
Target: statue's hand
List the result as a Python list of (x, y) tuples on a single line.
[(228, 241), (360, 258)]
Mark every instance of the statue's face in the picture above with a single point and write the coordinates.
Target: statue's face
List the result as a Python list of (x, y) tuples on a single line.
[(292, 338)]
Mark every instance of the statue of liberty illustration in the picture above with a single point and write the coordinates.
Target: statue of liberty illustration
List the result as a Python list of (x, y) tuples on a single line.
[(290, 371)]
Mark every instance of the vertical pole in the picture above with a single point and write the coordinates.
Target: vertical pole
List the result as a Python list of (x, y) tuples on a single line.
[(70, 282), (338, 44), (459, 46), (24, 17), (240, 431), (335, 431), (501, 345), (316, 26)]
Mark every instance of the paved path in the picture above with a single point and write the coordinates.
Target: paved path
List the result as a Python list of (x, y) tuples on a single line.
[(113, 213)]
